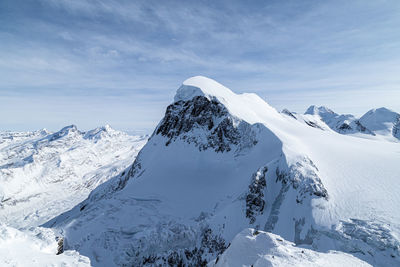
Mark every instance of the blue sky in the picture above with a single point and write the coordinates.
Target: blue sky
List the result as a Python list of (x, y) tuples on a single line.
[(120, 62)]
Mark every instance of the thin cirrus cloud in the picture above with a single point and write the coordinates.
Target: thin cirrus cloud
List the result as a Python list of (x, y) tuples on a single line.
[(120, 62)]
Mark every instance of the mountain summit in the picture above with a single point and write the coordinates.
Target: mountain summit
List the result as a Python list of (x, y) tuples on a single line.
[(321, 111), (249, 107), (202, 86), (382, 121), (220, 162)]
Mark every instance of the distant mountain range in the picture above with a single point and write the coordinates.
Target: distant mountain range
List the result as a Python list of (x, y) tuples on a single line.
[(43, 174), (382, 122)]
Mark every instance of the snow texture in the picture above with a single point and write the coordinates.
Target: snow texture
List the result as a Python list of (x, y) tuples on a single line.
[(258, 249)]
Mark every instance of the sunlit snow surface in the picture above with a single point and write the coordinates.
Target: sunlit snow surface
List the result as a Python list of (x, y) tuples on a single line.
[(219, 163), (36, 248), (259, 249)]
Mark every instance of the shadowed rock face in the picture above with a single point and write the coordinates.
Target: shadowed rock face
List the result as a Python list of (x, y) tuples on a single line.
[(210, 244), (218, 129), (345, 126), (362, 128), (313, 124), (255, 197), (396, 129), (287, 112)]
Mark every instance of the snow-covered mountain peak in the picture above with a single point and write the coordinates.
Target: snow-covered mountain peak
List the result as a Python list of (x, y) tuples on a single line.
[(210, 115), (220, 162), (107, 127), (202, 86), (70, 130), (44, 131), (341, 123), (248, 107), (105, 131), (380, 115), (321, 110), (383, 121), (382, 110)]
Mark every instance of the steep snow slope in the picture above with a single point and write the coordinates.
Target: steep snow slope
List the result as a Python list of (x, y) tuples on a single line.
[(258, 249), (43, 174), (218, 163)]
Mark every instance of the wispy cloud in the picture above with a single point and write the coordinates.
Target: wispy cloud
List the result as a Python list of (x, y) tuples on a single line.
[(293, 53)]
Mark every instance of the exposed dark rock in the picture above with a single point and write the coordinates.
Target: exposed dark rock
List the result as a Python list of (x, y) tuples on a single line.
[(214, 244), (314, 125), (255, 197), (217, 128), (134, 171), (362, 128), (396, 129), (211, 245), (12, 202), (287, 112), (345, 127), (60, 245)]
